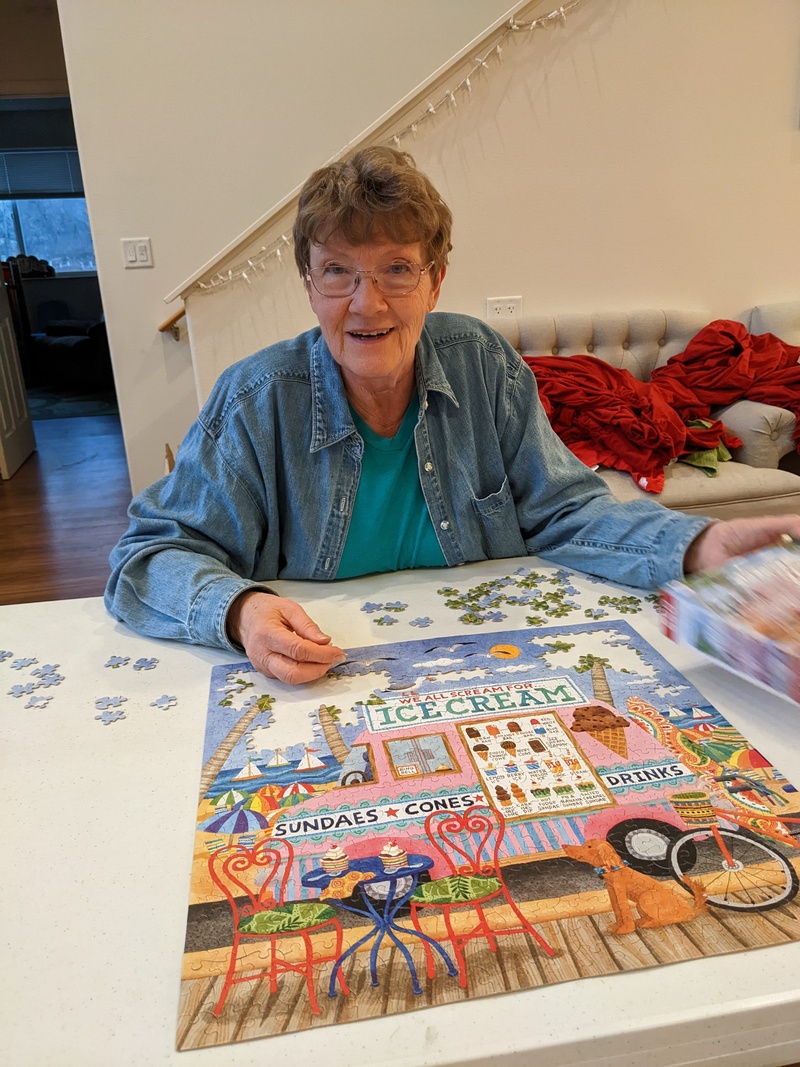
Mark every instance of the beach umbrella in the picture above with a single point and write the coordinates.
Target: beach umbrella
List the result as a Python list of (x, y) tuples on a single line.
[(230, 799), (238, 820), (296, 793), (749, 759), (261, 801)]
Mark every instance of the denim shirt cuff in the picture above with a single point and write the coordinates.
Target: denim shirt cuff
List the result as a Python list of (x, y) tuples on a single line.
[(209, 611)]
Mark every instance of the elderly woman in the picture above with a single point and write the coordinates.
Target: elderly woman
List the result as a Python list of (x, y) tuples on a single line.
[(385, 438)]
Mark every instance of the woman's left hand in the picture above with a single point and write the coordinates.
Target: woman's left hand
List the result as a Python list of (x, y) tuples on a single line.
[(720, 541)]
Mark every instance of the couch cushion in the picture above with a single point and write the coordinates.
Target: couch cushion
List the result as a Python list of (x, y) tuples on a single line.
[(738, 491), (636, 341), (783, 320)]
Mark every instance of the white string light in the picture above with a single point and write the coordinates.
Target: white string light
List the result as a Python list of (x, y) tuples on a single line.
[(269, 253)]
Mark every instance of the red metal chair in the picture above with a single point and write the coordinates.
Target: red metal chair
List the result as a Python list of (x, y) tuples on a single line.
[(470, 843), (262, 913)]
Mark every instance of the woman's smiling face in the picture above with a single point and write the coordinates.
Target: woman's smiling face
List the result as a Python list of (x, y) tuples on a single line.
[(371, 336)]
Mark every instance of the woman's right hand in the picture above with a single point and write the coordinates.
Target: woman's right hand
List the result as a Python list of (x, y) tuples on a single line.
[(280, 639)]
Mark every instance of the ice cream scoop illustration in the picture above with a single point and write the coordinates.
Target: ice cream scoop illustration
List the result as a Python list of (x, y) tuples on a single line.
[(604, 725)]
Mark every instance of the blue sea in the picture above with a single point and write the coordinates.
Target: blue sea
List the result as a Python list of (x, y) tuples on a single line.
[(281, 776)]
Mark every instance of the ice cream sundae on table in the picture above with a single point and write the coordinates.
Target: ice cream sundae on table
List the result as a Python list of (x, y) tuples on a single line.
[(335, 860), (604, 725), (393, 857)]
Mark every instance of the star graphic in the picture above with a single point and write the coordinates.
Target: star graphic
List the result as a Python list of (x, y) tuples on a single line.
[(393, 812)]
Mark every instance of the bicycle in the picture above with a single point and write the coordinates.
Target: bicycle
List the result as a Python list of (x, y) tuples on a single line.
[(737, 867)]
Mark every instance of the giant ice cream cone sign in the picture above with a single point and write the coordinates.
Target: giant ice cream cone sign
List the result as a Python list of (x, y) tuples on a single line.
[(604, 725)]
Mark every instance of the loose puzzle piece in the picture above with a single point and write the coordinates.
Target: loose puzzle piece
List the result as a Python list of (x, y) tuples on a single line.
[(164, 702), (145, 664), (18, 664), (53, 678), (22, 690), (103, 703), (110, 716), (117, 661), (47, 668), (38, 702)]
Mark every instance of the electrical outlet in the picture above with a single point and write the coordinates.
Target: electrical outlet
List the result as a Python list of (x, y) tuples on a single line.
[(503, 307)]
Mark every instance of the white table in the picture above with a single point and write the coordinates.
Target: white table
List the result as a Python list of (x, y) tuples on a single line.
[(99, 830)]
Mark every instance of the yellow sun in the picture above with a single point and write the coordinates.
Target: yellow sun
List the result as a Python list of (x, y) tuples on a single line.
[(504, 651)]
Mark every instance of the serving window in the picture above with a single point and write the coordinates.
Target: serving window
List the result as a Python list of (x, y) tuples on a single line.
[(421, 756)]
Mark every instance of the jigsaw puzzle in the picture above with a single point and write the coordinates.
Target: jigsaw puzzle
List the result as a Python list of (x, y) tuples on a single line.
[(456, 818)]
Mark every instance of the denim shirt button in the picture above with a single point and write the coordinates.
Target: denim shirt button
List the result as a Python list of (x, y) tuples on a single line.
[(444, 525), (342, 504), (429, 466), (328, 563)]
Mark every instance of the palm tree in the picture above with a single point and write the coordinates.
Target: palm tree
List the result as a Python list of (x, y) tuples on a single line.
[(600, 686), (328, 721), (216, 761)]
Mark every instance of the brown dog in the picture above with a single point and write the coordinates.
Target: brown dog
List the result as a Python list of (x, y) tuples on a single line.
[(658, 903)]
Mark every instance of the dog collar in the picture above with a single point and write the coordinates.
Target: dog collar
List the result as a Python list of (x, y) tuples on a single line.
[(607, 870)]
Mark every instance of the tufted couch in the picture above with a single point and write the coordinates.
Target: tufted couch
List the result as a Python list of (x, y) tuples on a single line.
[(640, 341)]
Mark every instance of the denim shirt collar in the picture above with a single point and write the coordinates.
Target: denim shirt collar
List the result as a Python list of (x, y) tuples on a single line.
[(331, 419)]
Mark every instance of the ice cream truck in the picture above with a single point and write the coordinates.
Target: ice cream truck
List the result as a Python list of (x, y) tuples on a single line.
[(560, 769)]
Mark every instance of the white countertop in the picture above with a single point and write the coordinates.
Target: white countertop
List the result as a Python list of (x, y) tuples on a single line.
[(94, 901)]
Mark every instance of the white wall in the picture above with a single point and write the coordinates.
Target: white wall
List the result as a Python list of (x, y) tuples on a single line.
[(193, 118), (645, 153)]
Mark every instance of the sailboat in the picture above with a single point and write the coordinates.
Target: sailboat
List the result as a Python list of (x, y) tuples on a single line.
[(250, 770), (278, 760), (309, 762)]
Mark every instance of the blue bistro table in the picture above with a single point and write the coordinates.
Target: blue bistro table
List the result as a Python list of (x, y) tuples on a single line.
[(384, 894)]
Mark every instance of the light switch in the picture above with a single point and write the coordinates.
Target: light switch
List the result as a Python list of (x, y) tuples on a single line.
[(137, 252)]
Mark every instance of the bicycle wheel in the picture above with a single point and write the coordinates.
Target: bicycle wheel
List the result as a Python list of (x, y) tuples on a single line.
[(760, 878)]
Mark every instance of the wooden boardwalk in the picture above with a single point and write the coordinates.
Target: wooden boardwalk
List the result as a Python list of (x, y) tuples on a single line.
[(583, 949)]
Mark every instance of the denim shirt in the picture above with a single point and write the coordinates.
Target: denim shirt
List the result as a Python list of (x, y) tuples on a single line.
[(265, 480)]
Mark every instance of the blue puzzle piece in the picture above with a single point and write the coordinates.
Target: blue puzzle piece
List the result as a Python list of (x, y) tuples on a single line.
[(164, 702), (385, 620), (38, 702), (109, 716), (369, 607), (145, 664), (18, 664), (47, 668), (103, 703), (117, 661), (50, 679), (22, 690), (425, 620)]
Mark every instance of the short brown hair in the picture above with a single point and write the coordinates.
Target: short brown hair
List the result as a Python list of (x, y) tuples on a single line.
[(378, 192)]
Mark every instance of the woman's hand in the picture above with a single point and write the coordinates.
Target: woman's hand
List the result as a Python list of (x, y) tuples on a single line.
[(720, 541), (279, 638)]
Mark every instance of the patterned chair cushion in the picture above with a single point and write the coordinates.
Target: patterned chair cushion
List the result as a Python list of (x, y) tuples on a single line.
[(286, 917), (455, 889)]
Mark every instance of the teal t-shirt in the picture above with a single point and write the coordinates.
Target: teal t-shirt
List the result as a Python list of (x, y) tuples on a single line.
[(390, 528)]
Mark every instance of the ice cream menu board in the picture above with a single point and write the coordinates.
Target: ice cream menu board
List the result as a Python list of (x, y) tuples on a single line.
[(532, 766)]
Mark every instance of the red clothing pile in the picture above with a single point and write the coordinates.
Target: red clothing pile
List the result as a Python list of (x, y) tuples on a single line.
[(606, 416)]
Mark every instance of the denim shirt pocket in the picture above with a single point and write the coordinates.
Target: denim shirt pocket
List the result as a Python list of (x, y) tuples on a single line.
[(499, 524)]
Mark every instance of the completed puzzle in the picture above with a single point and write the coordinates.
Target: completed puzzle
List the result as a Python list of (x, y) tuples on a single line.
[(455, 818)]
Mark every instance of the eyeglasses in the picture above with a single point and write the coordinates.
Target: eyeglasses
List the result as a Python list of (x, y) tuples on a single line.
[(395, 279)]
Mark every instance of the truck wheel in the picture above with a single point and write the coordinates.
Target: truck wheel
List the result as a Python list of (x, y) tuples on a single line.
[(645, 844)]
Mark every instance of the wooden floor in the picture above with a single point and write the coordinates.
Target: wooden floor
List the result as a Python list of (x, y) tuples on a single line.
[(63, 511), (583, 946)]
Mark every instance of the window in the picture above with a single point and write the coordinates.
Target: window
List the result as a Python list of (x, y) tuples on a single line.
[(42, 209), (56, 230), (416, 757)]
